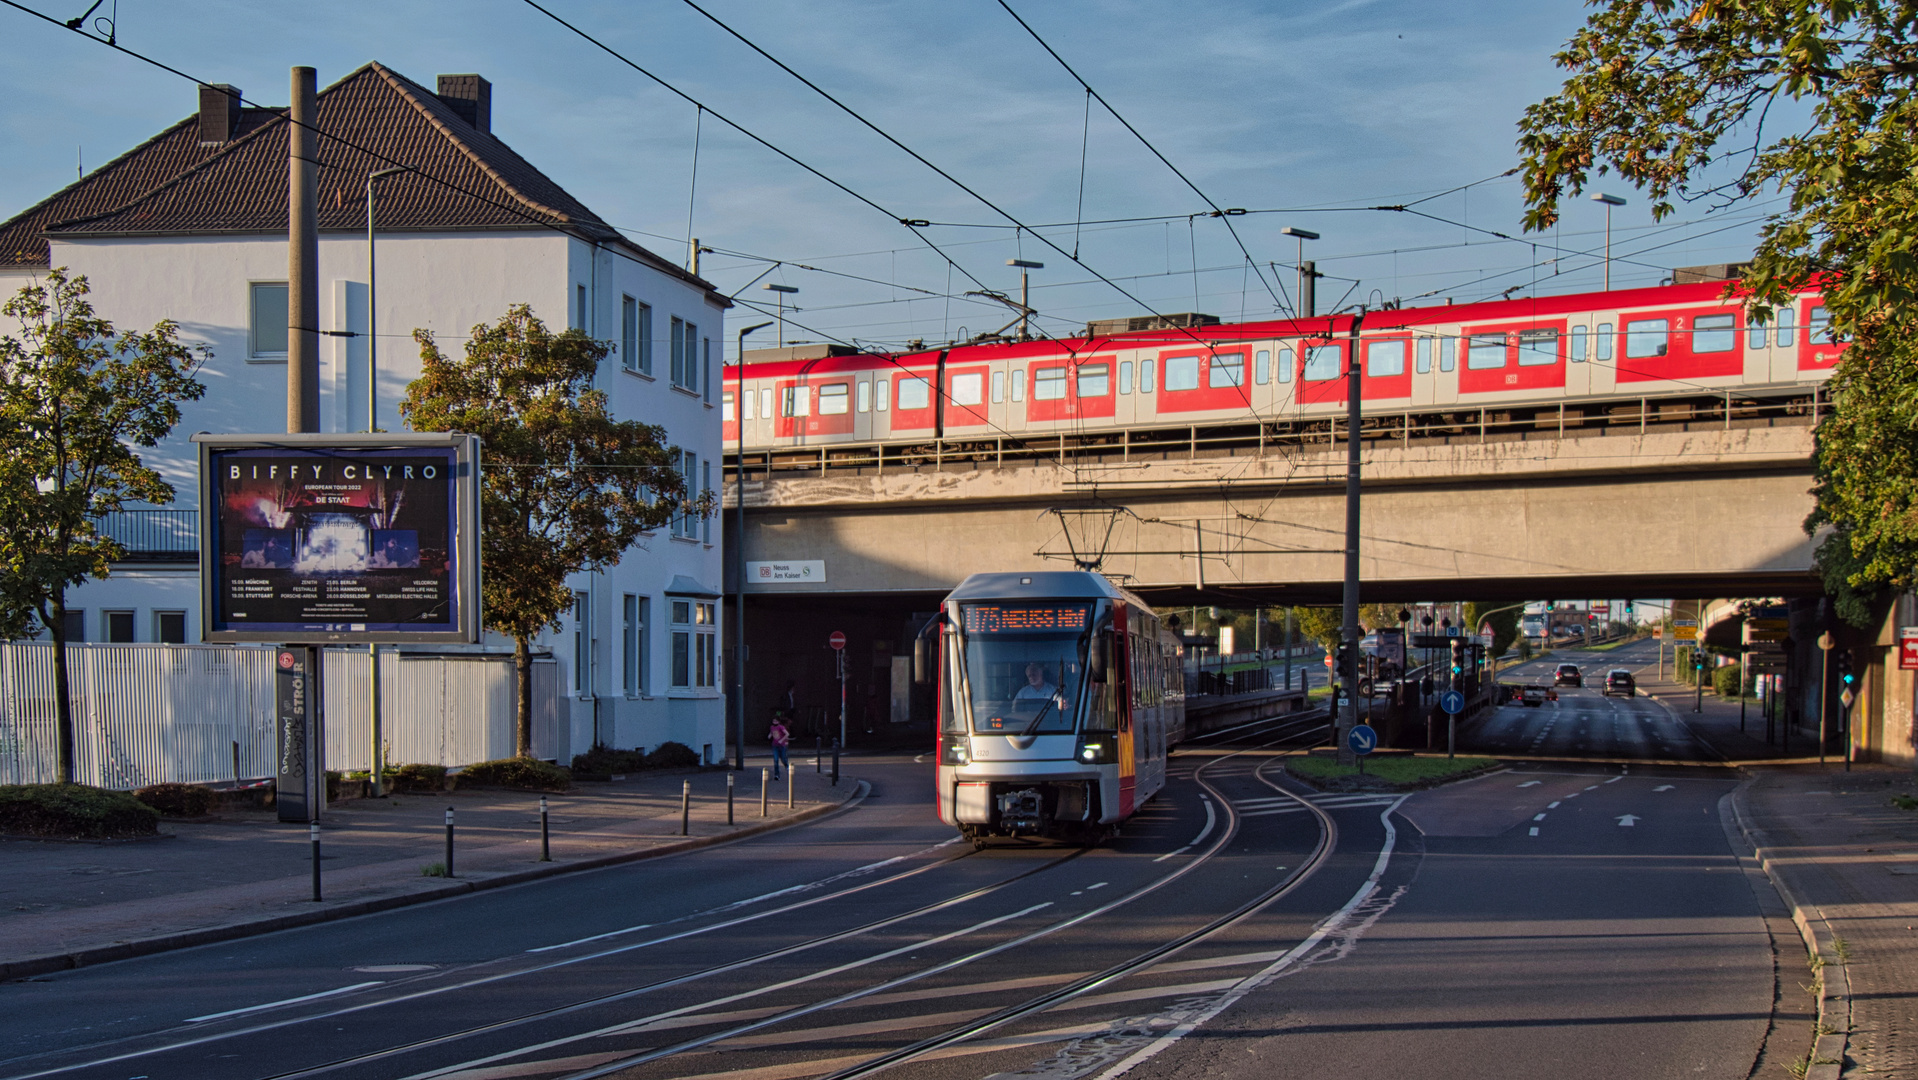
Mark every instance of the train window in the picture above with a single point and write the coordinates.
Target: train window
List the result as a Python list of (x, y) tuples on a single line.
[(1285, 364), (1448, 353), (1181, 373), (865, 396), (1095, 380), (1483, 351), (1603, 341), (833, 399), (1125, 376), (1787, 324), (1262, 366), (1384, 358), (881, 394), (1714, 333), (746, 405), (794, 401), (914, 392), (1647, 337), (726, 407), (1145, 376), (1322, 362), (1818, 327), (1578, 345), (1537, 347), (766, 402), (1422, 356), (1757, 334), (968, 388), (1228, 369), (1049, 384), (1018, 384), (998, 387)]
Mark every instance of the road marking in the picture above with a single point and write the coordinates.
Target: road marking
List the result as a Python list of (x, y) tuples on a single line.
[(1211, 818), (1538, 817), (1614, 779), (1554, 806), (288, 1001), (1530, 783), (1663, 787), (1626, 821), (1594, 787), (1534, 830)]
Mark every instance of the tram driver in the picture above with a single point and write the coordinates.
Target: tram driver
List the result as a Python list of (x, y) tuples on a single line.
[(1038, 688)]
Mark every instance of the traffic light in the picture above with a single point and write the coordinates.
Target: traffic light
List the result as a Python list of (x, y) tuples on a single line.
[(1458, 660), (1628, 611), (1841, 659), (1550, 606)]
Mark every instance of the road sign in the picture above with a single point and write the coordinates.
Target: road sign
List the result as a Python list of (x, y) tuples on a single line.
[(837, 640), (1684, 633), (1847, 697), (1658, 633), (1362, 739), (1452, 702), (1907, 648), (1452, 631)]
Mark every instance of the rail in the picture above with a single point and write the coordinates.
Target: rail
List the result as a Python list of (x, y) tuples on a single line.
[(1793, 406), (154, 535)]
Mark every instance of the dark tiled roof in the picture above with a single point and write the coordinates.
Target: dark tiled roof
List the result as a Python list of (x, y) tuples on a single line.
[(171, 185)]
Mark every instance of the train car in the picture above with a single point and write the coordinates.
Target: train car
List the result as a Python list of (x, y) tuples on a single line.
[(1670, 340), (1059, 697)]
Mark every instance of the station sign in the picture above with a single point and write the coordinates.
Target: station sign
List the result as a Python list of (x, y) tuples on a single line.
[(1908, 648), (808, 570)]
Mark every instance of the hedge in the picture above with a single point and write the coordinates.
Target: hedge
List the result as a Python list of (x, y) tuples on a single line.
[(73, 810), (522, 774), (177, 800)]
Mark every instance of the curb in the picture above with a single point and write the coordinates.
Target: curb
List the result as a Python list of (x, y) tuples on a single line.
[(127, 950), (1834, 983)]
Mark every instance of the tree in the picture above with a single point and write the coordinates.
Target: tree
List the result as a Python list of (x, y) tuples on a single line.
[(1379, 616), (1677, 96), (565, 487), (1504, 623), (1322, 624), (75, 399)]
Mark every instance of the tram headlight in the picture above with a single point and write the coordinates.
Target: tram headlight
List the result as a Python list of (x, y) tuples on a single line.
[(1098, 752), (954, 751)]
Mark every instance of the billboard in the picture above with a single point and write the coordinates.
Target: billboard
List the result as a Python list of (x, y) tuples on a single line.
[(340, 538)]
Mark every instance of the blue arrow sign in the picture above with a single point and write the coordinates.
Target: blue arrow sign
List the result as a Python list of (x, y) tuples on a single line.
[(1362, 739), (1452, 702)]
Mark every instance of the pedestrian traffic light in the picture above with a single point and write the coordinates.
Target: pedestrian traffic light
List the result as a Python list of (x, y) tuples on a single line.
[(1458, 659), (1841, 658), (1550, 606), (1628, 609)]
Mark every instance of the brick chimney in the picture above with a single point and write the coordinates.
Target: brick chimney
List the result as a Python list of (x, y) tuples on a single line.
[(219, 113), (471, 96)]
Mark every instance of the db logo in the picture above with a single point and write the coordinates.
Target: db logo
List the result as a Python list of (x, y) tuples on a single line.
[(287, 661), (765, 571)]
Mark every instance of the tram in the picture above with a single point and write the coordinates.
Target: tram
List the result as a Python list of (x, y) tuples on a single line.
[(1059, 696)]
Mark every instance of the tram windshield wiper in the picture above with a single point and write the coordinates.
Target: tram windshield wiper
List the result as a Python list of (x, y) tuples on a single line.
[(1040, 715)]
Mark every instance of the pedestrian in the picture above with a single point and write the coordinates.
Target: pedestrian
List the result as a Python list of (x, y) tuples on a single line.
[(780, 738)]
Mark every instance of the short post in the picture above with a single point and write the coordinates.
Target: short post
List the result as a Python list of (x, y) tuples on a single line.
[(765, 781), (236, 766), (545, 837), (729, 797), (313, 835), (449, 841), (817, 743), (789, 789), (685, 807), (835, 764)]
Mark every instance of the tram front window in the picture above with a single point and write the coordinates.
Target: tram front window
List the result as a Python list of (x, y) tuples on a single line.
[(1024, 664)]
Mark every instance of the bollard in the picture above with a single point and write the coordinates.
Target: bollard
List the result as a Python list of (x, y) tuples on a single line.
[(765, 780), (817, 742), (449, 841), (729, 797), (236, 766), (789, 789), (313, 833), (685, 806), (545, 837), (835, 763)]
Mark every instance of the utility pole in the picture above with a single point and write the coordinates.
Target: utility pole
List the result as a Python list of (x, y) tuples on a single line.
[(739, 553), (302, 261), (1609, 201), (1308, 272), (782, 291), (376, 778), (1025, 294), (1349, 631)]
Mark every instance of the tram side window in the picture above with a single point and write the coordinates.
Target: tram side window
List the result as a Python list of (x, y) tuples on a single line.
[(1285, 363), (1448, 353), (1422, 356), (1714, 333), (998, 387), (914, 393), (766, 402), (1095, 380), (1049, 384), (1484, 351), (726, 407), (832, 399), (1787, 326), (1321, 363), (865, 396), (969, 389), (1018, 384), (795, 401), (1181, 373), (1384, 358), (1145, 376), (1757, 334), (1537, 347), (1603, 340), (1818, 327), (1578, 345), (1645, 338), (1262, 366), (881, 394), (1228, 369), (1125, 376)]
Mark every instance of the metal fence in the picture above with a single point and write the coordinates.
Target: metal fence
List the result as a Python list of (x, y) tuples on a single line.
[(148, 714)]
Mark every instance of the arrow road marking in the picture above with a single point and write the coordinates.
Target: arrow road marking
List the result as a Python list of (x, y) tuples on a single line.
[(1626, 821), (1663, 787)]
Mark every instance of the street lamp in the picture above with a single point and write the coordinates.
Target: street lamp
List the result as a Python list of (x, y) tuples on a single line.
[(1025, 308), (1308, 272), (739, 555), (782, 291), (376, 780), (1609, 201)]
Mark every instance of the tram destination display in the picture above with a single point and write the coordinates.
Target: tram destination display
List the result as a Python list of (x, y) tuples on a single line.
[(1020, 618), (340, 538)]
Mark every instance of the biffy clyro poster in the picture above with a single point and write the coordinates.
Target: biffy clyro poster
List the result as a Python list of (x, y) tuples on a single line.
[(335, 540)]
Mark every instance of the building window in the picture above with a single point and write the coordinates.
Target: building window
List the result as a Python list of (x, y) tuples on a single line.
[(581, 289), (695, 644), (678, 331), (266, 336), (118, 626), (169, 627), (582, 647), (636, 335), (686, 358), (706, 484), (76, 624), (682, 643), (706, 366), (629, 644)]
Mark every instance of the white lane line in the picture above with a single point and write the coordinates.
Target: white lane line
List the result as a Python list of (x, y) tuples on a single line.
[(1534, 830), (1266, 975), (1614, 779), (1530, 783), (288, 1001), (1211, 819), (1594, 787), (1663, 787), (1538, 817), (1554, 806)]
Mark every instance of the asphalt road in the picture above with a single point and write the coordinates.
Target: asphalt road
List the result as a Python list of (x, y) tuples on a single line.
[(1584, 722), (1447, 933)]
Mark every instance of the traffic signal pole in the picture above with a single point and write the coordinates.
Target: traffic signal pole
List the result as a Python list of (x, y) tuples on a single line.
[(1349, 630)]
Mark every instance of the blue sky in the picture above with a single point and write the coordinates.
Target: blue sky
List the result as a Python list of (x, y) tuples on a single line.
[(1284, 106)]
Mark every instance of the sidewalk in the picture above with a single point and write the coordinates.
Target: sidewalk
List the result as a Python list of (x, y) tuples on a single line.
[(1845, 858), (67, 904)]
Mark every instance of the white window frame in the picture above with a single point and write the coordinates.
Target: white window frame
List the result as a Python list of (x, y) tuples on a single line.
[(254, 353)]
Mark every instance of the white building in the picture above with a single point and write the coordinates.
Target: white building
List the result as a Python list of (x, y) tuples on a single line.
[(191, 226)]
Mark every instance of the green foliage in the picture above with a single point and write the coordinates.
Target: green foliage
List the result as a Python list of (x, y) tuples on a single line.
[(177, 800), (415, 778), (604, 761), (1673, 96), (1379, 616), (519, 773), (1319, 624), (566, 488), (672, 755), (1728, 681), (1682, 665), (433, 869), (76, 399), (1504, 623), (73, 810)]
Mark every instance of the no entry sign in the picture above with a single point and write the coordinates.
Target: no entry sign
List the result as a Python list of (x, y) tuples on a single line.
[(837, 640)]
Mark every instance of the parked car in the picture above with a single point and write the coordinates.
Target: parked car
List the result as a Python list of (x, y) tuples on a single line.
[(1620, 681), (1568, 675)]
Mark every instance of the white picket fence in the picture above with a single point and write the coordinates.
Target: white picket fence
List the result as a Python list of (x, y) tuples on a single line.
[(148, 714)]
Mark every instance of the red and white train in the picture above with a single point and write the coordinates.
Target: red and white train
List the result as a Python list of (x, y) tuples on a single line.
[(1627, 343)]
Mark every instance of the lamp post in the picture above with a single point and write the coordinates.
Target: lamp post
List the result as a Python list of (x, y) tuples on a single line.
[(1609, 201), (376, 781), (782, 291), (739, 556), (1308, 272), (1025, 306)]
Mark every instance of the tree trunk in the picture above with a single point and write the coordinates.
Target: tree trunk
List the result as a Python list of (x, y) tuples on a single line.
[(62, 695), (523, 667)]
